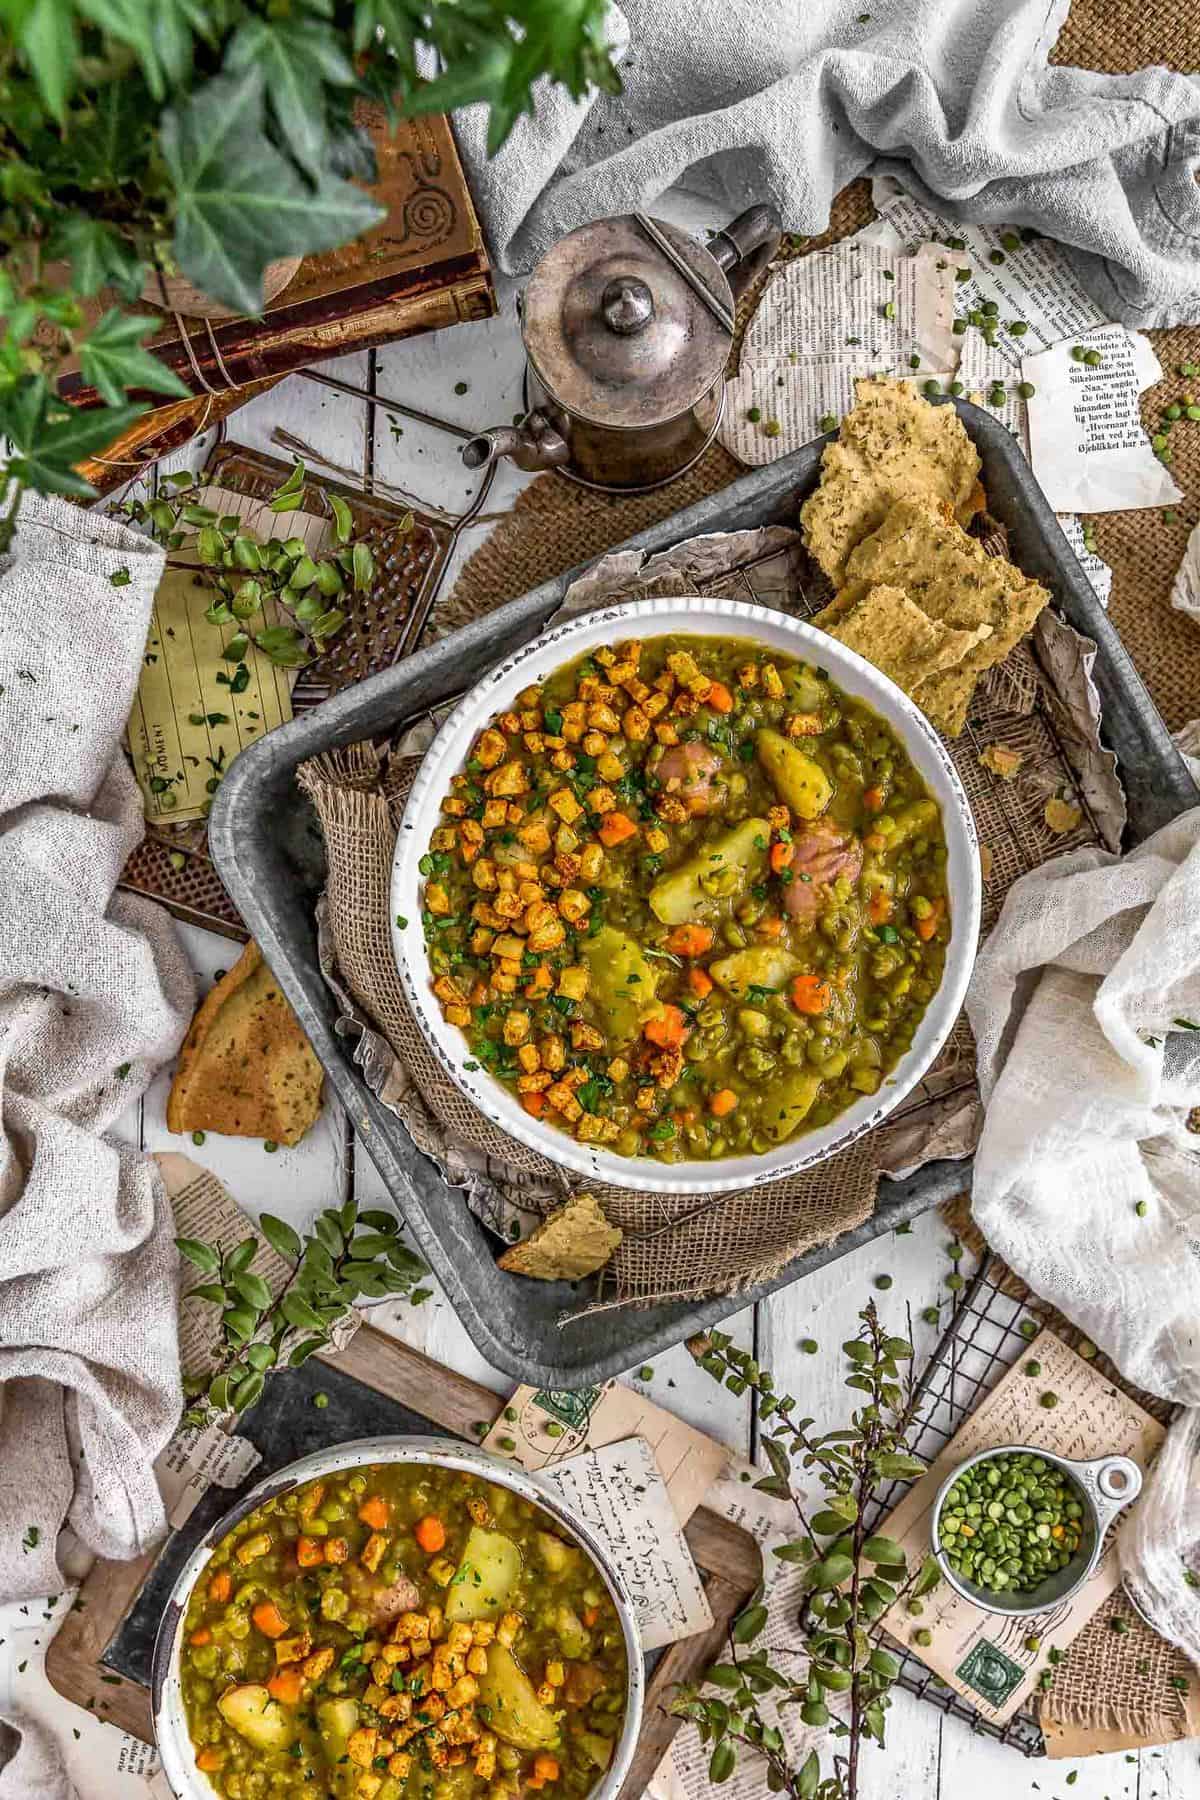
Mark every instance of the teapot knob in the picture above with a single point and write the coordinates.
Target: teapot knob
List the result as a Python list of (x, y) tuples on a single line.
[(627, 305)]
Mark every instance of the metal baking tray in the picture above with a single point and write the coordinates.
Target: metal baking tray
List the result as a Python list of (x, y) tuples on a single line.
[(268, 850)]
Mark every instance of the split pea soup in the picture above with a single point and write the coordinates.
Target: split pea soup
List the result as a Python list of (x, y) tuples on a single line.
[(401, 1632), (687, 899)]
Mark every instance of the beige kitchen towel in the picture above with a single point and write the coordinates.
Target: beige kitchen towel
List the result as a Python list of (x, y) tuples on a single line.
[(95, 995)]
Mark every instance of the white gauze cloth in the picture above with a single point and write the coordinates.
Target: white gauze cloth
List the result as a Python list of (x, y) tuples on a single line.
[(788, 100), (1079, 1004), (95, 995)]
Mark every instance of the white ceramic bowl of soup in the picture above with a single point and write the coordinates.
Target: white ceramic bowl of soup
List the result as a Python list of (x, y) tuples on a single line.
[(707, 617), (171, 1733)]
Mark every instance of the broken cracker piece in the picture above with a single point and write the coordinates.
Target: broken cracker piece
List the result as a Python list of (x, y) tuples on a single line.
[(246, 1068), (892, 445), (570, 1243), (891, 631), (1061, 816), (952, 579), (1001, 761)]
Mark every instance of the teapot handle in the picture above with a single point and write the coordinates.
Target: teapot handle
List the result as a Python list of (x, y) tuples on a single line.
[(746, 245)]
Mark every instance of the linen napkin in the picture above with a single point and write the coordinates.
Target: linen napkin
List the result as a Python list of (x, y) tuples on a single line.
[(95, 995), (1085, 1004), (745, 100)]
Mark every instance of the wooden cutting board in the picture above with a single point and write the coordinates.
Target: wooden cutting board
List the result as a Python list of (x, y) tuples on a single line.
[(374, 1384)]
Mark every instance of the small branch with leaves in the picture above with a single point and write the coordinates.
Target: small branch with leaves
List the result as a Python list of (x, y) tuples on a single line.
[(852, 1577), (348, 1256), (245, 572)]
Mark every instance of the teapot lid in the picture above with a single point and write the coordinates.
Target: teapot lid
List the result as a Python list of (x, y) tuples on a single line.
[(627, 321)]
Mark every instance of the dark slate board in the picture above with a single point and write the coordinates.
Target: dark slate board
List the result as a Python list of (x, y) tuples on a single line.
[(284, 1426)]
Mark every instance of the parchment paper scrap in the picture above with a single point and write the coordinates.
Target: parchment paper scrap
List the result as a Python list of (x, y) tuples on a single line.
[(620, 1492), (1185, 589), (174, 759), (1087, 444), (683, 1772), (823, 321), (199, 1457), (590, 1418), (984, 1656), (1031, 283)]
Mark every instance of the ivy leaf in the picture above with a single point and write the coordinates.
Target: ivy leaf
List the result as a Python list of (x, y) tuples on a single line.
[(48, 451), (97, 254), (260, 1356), (724, 1675), (296, 59), (239, 203), (303, 1351), (218, 1392), (778, 1458), (240, 1322), (112, 359), (203, 1256), (885, 1664), (809, 1776), (371, 1243), (128, 22), (46, 34), (280, 1236), (329, 1233)]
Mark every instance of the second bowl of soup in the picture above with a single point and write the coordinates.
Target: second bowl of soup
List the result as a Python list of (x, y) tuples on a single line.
[(686, 895)]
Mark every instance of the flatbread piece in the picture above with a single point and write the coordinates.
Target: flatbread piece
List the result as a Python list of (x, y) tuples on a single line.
[(953, 580), (568, 1244), (893, 445), (891, 631), (246, 1068)]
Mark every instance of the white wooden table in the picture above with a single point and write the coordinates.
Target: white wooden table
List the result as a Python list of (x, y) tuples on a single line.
[(928, 1757)]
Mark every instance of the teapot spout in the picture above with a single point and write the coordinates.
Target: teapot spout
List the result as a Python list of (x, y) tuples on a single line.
[(532, 445)]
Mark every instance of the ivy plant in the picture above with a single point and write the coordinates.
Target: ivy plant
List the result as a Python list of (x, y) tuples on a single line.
[(839, 1672), (209, 138)]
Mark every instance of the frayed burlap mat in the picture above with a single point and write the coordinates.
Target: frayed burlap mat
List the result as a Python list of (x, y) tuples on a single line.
[(676, 1246), (1119, 1682)]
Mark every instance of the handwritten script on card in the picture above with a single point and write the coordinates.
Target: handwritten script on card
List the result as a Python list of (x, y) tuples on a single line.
[(985, 1656), (620, 1492)]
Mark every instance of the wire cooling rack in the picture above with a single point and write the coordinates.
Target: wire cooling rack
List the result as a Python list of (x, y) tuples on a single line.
[(979, 1346)]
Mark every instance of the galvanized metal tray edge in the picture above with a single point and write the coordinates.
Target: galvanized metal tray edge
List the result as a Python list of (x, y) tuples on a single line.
[(259, 790)]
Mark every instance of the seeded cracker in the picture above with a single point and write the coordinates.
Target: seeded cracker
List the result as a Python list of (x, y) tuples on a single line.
[(893, 445), (892, 632), (573, 1242), (953, 580), (246, 1068)]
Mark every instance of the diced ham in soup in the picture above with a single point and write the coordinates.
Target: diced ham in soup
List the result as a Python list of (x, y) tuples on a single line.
[(692, 773), (823, 851)]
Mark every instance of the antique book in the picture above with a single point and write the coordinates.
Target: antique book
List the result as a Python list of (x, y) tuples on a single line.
[(422, 267)]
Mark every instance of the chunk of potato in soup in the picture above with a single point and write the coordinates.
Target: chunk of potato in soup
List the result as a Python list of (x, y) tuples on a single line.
[(687, 899), (505, 1673)]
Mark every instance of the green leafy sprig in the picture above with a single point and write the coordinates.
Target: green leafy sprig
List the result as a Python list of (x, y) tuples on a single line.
[(246, 570), (210, 138), (852, 1576), (346, 1256)]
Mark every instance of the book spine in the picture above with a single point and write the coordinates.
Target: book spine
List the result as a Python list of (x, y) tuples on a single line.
[(216, 358), (169, 428)]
